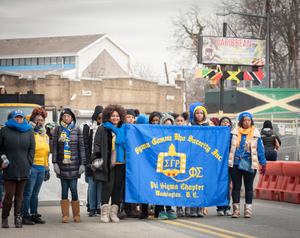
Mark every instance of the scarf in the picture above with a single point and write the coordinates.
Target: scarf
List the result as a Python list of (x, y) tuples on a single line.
[(119, 141), (16, 125), (65, 137), (42, 130), (249, 132), (93, 125)]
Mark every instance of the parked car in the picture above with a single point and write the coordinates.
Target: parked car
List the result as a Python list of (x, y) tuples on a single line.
[(288, 148)]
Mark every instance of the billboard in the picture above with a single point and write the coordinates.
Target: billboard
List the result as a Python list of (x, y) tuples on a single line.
[(231, 51)]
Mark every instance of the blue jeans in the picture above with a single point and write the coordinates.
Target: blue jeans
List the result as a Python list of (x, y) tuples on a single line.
[(271, 155), (32, 189), (65, 185), (94, 194), (225, 208), (1, 186)]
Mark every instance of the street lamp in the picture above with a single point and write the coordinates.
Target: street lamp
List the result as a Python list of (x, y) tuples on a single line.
[(224, 13)]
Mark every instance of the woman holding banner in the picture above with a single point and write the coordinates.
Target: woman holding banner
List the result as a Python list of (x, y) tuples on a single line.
[(108, 160), (246, 152)]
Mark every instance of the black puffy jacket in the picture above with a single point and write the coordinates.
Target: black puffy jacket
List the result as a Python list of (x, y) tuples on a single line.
[(268, 138), (69, 171), (19, 148)]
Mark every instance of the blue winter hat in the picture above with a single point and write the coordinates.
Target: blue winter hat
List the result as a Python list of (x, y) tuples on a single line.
[(245, 114), (192, 108), (142, 119), (16, 113)]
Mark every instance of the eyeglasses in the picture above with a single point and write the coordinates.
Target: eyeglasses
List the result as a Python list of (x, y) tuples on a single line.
[(154, 120)]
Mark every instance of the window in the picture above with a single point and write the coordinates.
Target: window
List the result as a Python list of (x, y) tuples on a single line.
[(47, 60), (9, 62), (53, 60), (34, 61), (67, 60), (59, 60), (22, 61), (41, 61), (3, 62), (72, 60), (16, 62), (28, 61)]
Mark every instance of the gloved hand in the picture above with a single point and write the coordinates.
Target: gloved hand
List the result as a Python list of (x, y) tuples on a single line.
[(37, 127), (263, 169), (56, 169), (47, 176), (81, 169)]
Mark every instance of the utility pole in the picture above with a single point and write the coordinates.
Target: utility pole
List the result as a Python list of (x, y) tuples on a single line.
[(222, 79), (166, 73), (268, 10), (295, 60)]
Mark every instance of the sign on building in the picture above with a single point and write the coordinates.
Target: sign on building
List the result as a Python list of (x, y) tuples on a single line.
[(87, 92), (231, 51), (170, 97)]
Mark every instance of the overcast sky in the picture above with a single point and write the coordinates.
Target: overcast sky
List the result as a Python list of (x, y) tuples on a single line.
[(141, 27)]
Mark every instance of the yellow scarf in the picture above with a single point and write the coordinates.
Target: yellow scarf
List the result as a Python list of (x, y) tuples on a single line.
[(249, 132)]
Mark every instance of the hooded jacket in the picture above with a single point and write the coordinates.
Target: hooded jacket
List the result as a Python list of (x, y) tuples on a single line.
[(268, 138), (69, 171)]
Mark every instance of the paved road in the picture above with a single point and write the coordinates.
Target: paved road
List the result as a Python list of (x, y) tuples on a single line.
[(270, 219)]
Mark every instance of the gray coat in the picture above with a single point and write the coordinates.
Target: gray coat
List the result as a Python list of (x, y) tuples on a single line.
[(69, 171)]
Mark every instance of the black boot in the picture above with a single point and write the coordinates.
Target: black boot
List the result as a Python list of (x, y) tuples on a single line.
[(36, 218), (27, 220), (144, 213), (129, 212), (18, 213), (5, 214)]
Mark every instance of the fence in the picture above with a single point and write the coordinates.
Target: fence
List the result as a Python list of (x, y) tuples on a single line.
[(286, 126)]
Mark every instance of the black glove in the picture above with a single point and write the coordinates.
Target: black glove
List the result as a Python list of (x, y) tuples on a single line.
[(37, 127), (47, 176)]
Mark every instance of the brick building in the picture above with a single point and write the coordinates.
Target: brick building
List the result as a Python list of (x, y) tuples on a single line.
[(82, 72)]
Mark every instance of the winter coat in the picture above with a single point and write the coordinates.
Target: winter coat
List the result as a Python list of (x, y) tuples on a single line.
[(88, 133), (256, 151), (69, 171), (19, 148), (268, 137), (102, 149)]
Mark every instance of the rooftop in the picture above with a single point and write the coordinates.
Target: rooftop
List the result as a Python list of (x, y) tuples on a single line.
[(46, 45)]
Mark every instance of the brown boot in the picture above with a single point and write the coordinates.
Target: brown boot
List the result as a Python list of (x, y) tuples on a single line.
[(65, 204), (247, 210), (76, 210), (105, 213), (236, 210), (134, 208), (204, 210), (5, 214)]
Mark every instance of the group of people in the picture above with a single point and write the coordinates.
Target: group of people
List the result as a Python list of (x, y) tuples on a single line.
[(98, 150)]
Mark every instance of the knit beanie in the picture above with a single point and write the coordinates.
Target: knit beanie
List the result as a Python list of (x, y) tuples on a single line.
[(130, 112), (142, 119), (165, 118), (268, 124), (97, 112), (67, 111)]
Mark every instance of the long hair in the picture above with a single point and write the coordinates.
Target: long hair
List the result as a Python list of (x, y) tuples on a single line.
[(112, 108)]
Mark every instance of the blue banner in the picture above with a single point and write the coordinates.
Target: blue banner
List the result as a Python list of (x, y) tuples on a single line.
[(177, 165)]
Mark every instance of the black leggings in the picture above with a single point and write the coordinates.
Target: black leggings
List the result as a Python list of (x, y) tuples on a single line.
[(236, 176), (114, 186)]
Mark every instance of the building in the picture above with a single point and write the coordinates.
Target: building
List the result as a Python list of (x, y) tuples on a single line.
[(82, 72)]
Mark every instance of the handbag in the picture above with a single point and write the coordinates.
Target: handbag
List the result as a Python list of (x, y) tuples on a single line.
[(245, 165), (276, 144)]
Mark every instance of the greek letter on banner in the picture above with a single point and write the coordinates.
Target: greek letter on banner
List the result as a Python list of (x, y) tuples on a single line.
[(177, 165)]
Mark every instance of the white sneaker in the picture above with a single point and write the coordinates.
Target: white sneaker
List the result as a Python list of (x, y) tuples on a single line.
[(228, 213), (220, 213)]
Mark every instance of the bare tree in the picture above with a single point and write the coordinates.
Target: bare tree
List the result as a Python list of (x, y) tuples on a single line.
[(144, 70)]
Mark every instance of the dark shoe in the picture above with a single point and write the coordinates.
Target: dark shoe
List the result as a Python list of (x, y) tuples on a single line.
[(36, 218), (121, 215), (27, 220), (18, 213), (5, 214), (98, 213), (132, 214), (143, 216), (91, 213)]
